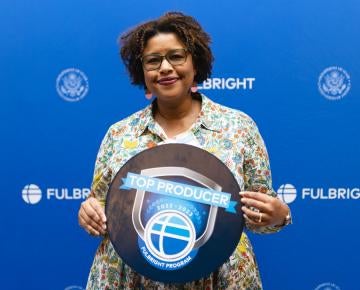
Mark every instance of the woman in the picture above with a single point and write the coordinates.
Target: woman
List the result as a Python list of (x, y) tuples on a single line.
[(168, 57)]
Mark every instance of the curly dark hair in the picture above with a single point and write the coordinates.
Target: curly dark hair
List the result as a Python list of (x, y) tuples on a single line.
[(186, 28)]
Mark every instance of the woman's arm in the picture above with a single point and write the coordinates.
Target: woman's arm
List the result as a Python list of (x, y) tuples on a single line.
[(263, 211), (91, 214)]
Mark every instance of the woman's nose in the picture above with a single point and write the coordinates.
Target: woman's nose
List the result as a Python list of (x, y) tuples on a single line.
[(165, 66)]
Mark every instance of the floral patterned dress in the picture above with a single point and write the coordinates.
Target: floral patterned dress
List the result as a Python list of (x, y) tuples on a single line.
[(227, 133)]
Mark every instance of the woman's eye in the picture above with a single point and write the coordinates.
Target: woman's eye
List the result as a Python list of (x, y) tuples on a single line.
[(152, 60), (176, 56)]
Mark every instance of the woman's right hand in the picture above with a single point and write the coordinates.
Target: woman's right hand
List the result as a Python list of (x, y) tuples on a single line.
[(92, 217)]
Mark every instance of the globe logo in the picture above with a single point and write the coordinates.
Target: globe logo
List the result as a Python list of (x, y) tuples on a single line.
[(334, 83), (74, 288), (287, 193), (31, 194), (72, 85), (170, 235)]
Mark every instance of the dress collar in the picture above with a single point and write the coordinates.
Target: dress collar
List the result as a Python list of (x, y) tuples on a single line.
[(204, 120)]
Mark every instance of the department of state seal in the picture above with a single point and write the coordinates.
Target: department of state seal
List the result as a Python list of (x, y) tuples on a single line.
[(72, 85), (327, 286), (334, 83)]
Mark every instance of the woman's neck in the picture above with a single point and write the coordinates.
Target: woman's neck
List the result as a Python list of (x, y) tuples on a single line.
[(177, 118), (174, 111)]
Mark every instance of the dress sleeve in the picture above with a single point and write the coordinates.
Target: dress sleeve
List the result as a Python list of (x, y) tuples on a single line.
[(257, 173), (102, 172)]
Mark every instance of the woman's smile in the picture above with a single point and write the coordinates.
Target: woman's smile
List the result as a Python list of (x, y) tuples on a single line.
[(167, 81)]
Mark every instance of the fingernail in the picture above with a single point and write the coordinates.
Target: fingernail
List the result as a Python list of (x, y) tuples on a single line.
[(104, 226)]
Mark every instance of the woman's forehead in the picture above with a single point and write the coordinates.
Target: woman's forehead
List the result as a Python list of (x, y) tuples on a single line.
[(162, 42)]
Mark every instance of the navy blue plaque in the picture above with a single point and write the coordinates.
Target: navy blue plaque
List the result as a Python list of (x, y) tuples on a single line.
[(174, 213)]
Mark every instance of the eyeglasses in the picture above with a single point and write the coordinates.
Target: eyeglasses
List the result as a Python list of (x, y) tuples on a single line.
[(174, 57)]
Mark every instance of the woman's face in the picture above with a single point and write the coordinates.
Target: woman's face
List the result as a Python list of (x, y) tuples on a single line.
[(168, 82)]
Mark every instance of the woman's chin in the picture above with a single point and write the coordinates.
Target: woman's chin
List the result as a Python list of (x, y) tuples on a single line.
[(172, 96)]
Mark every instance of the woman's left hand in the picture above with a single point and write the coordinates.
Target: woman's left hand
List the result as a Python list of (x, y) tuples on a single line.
[(262, 209)]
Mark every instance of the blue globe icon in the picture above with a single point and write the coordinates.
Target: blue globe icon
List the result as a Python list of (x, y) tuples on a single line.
[(170, 235)]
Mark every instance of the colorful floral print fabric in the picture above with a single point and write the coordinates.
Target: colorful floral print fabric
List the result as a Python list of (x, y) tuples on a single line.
[(227, 133)]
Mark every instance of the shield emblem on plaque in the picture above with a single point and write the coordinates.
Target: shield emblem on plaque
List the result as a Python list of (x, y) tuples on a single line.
[(169, 228)]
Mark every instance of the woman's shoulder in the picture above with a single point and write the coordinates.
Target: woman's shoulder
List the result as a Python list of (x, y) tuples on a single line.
[(226, 115), (131, 123)]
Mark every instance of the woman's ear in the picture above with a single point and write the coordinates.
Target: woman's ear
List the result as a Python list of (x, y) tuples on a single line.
[(194, 87)]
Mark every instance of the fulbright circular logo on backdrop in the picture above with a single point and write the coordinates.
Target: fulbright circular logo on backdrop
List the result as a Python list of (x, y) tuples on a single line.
[(72, 85), (31, 194), (287, 193), (74, 287)]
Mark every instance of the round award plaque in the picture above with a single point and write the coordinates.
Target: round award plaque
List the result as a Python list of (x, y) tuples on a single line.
[(174, 213)]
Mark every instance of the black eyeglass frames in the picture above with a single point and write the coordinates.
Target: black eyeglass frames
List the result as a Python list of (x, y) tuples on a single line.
[(154, 60)]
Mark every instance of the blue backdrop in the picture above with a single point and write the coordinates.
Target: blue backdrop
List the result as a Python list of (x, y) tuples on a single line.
[(291, 65)]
